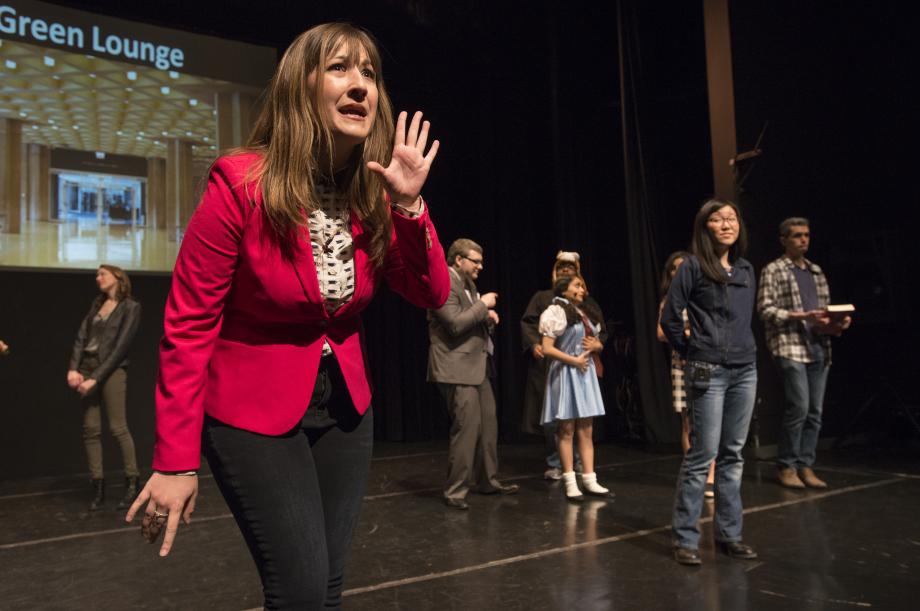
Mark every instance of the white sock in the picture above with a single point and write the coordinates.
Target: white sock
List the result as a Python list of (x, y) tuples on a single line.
[(589, 481), (571, 485)]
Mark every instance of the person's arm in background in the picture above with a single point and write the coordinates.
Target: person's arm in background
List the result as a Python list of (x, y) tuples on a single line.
[(770, 302), (455, 319), (531, 340), (661, 336), (672, 319), (74, 377)]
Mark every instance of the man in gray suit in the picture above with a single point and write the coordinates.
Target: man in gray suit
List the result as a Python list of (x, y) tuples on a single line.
[(459, 362)]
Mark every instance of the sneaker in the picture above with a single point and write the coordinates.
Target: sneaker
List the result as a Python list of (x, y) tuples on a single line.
[(553, 473)]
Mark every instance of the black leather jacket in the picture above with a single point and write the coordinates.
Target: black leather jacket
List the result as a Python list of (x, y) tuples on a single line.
[(120, 328)]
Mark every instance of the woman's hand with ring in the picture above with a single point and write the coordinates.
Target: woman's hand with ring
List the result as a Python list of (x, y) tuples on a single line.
[(168, 498)]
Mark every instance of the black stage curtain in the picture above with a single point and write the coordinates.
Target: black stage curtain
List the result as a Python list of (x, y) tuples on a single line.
[(529, 165), (643, 218)]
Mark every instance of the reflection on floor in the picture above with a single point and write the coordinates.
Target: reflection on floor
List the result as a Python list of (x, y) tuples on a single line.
[(856, 545), (84, 244)]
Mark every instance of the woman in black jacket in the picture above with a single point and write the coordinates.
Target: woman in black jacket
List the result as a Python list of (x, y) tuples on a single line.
[(98, 373)]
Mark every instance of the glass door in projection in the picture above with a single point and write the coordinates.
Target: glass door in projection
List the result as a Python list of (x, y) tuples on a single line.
[(107, 200)]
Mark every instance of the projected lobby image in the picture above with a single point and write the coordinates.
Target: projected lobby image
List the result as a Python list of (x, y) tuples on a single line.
[(105, 141)]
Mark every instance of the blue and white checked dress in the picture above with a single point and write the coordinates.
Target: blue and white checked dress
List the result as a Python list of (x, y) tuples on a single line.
[(570, 393)]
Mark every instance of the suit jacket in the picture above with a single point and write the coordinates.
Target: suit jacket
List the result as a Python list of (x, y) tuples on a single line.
[(120, 329), (459, 334), (245, 324)]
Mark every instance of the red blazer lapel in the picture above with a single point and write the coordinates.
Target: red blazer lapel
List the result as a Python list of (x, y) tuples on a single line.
[(305, 267)]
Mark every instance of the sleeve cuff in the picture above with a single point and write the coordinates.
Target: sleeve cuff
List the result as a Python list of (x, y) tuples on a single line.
[(409, 214)]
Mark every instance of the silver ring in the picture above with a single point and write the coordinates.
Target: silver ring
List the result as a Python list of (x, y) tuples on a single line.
[(158, 514)]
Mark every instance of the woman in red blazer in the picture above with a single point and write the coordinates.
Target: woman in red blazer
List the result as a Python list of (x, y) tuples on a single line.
[(262, 363)]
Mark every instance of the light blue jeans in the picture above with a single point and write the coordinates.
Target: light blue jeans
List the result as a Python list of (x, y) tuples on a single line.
[(720, 416), (803, 386)]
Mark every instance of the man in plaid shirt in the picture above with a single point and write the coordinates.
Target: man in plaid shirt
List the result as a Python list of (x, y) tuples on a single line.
[(792, 301)]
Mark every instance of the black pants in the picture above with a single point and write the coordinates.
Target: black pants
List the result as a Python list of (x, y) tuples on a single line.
[(296, 497)]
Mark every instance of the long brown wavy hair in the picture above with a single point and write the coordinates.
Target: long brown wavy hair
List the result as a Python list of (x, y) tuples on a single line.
[(124, 285), (292, 135)]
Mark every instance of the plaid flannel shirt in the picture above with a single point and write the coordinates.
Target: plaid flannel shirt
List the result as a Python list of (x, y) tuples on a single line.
[(777, 295)]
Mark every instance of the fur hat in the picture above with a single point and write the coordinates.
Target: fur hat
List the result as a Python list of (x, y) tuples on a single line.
[(566, 258)]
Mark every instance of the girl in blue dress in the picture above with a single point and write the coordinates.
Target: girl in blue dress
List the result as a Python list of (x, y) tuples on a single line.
[(573, 395)]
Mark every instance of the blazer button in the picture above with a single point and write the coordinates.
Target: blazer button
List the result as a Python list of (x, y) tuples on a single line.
[(323, 323)]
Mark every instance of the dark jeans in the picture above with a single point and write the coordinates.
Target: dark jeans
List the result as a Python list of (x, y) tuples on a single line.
[(803, 386), (296, 497)]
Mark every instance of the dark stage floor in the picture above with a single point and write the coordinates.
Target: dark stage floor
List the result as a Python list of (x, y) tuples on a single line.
[(855, 546)]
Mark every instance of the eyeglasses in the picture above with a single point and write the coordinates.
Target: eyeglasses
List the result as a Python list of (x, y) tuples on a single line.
[(472, 260), (719, 220)]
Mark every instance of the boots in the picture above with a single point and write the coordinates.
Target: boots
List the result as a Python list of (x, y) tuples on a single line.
[(98, 494), (787, 477), (130, 493), (811, 480)]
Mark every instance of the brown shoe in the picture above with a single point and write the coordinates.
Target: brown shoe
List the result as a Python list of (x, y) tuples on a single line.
[(787, 477), (811, 480)]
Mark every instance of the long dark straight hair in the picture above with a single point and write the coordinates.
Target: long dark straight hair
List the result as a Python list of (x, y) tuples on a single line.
[(703, 245), (571, 314)]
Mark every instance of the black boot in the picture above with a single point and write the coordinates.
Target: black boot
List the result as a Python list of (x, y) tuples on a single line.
[(99, 494), (130, 493)]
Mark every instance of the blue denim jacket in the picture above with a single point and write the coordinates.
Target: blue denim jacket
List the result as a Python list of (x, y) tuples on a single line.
[(720, 315)]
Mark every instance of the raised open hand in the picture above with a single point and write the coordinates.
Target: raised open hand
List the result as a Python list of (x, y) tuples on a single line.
[(409, 165)]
